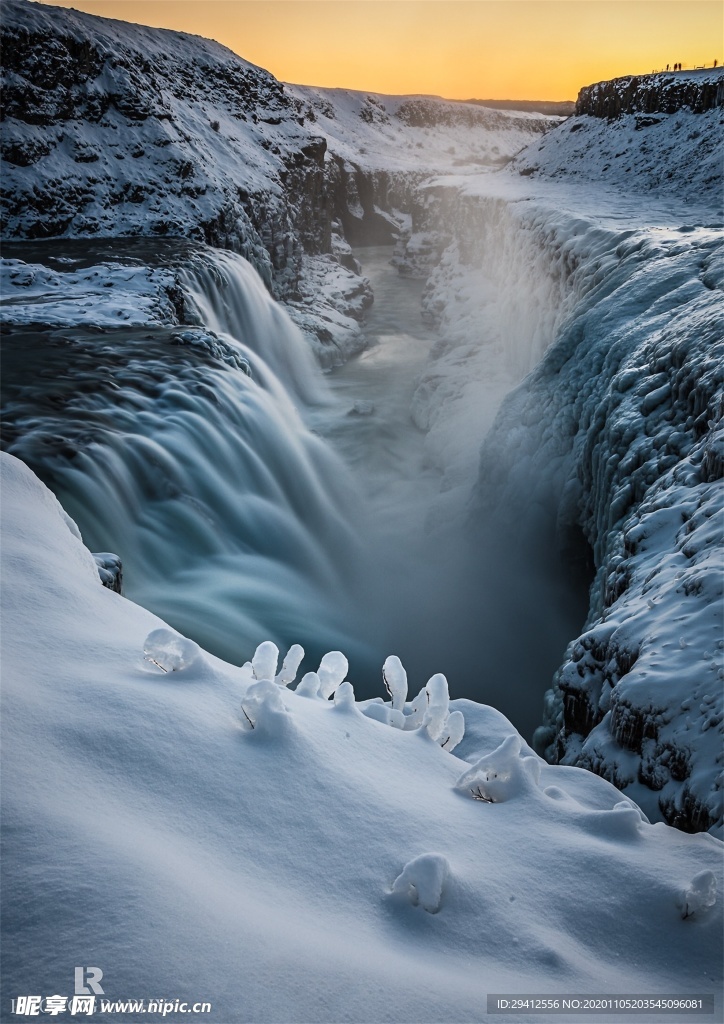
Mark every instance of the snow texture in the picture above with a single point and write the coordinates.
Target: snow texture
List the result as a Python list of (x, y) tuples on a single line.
[(165, 798)]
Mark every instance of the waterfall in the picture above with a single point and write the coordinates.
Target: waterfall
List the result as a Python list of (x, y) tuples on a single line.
[(185, 452)]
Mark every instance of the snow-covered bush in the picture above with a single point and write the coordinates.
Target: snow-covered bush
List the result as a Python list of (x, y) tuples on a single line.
[(332, 670), (344, 697), (264, 662), (395, 680), (263, 711), (170, 651), (438, 703), (453, 730), (422, 881), (308, 686), (291, 664), (502, 774), (699, 895), (416, 710)]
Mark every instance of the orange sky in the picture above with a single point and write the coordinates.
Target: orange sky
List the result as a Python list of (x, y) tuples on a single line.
[(504, 49)]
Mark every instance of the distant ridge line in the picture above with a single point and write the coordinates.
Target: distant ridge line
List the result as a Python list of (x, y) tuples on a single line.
[(564, 108)]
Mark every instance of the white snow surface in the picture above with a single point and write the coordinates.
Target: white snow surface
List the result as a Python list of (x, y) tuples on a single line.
[(416, 134), (664, 154), (105, 295), (274, 870)]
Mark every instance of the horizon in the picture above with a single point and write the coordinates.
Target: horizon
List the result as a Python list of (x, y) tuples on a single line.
[(498, 50)]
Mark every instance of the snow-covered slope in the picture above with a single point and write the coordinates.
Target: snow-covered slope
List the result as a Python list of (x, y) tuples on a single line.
[(660, 133), (323, 865), (380, 148)]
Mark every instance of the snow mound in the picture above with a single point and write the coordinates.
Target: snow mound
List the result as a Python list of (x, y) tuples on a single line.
[(700, 895), (169, 651), (422, 881), (503, 774)]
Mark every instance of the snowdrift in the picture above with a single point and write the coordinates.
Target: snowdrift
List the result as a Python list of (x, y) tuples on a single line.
[(322, 865)]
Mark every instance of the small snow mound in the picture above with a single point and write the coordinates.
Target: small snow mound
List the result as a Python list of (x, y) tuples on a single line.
[(170, 651), (377, 710), (332, 670), (396, 719), (422, 881), (699, 895), (291, 664), (502, 774), (344, 697), (453, 730), (264, 662), (395, 680), (263, 711)]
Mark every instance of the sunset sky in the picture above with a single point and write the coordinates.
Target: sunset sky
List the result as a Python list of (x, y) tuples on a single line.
[(503, 49)]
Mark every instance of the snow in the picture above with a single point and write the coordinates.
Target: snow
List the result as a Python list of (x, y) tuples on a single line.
[(422, 881), (108, 294), (302, 841), (415, 134), (676, 154)]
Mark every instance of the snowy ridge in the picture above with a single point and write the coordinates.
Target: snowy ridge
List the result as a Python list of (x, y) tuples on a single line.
[(391, 879)]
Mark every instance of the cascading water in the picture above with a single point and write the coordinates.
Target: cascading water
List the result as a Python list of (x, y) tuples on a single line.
[(184, 452), (188, 451)]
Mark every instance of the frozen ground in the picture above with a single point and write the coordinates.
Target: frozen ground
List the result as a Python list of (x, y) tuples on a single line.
[(323, 865)]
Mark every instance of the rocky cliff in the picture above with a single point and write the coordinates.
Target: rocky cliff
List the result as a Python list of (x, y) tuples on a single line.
[(662, 93)]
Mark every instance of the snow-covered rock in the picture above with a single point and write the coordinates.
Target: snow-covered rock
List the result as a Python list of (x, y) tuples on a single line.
[(657, 133)]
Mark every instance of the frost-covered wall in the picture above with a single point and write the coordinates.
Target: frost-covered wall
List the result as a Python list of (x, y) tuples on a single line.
[(618, 433)]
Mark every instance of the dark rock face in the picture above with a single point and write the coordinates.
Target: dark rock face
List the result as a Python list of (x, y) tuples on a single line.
[(662, 93), (106, 131)]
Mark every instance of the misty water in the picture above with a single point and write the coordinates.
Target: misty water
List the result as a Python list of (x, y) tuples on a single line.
[(251, 497)]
